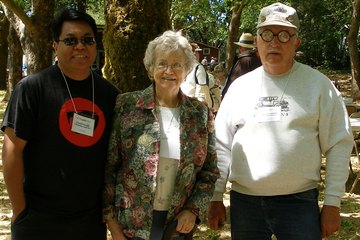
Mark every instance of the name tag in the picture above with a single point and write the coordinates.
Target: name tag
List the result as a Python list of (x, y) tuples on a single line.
[(83, 125), (268, 114)]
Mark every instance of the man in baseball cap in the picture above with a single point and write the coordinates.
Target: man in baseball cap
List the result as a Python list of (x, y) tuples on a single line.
[(278, 14), (272, 129)]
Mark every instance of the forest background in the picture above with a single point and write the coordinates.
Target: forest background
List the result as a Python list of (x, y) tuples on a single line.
[(329, 31)]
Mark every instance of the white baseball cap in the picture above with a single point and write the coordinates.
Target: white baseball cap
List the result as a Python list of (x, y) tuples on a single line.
[(278, 14)]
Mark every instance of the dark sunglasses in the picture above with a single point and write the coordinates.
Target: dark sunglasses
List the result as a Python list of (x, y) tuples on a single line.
[(73, 41)]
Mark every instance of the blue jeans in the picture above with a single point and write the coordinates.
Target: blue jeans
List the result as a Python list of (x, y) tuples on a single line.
[(288, 217)]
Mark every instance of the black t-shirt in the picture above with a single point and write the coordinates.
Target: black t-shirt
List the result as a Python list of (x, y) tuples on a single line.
[(63, 169)]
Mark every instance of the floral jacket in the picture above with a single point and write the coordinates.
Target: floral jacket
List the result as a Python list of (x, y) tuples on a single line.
[(130, 174)]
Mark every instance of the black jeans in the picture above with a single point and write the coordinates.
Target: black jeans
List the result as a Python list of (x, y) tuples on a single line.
[(158, 228), (40, 225)]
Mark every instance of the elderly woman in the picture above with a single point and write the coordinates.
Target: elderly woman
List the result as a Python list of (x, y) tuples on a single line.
[(162, 165)]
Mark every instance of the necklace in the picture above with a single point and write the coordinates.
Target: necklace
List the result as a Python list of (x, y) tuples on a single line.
[(174, 113), (169, 119)]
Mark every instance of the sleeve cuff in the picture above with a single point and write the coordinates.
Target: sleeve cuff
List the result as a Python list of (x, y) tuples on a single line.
[(332, 201)]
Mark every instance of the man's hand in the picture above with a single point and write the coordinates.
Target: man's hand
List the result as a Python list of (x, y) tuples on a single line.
[(216, 215), (330, 220)]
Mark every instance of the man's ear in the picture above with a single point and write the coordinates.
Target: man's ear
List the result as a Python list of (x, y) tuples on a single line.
[(54, 45), (298, 42)]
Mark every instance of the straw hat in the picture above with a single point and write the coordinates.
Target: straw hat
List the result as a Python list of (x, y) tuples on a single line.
[(195, 47), (246, 40)]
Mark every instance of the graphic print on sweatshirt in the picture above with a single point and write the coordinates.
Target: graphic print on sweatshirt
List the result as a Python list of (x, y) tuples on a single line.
[(84, 107), (273, 101), (271, 109)]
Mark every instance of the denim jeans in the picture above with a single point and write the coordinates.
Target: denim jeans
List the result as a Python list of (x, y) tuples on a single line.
[(288, 217)]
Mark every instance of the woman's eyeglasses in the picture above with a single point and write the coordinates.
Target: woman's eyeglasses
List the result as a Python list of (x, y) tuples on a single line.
[(173, 67), (283, 36), (73, 41)]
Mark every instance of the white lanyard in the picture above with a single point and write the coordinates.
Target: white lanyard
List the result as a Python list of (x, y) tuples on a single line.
[(270, 113), (286, 84), (82, 124)]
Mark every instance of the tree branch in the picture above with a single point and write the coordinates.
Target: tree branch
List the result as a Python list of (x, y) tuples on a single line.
[(19, 12)]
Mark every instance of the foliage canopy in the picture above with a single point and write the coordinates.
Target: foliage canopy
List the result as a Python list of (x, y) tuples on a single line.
[(324, 25)]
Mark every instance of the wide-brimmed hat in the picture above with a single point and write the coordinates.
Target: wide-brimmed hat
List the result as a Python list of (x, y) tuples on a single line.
[(246, 40), (278, 14), (195, 47)]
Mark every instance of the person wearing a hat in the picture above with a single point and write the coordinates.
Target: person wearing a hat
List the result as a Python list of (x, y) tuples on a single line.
[(246, 61), (272, 129)]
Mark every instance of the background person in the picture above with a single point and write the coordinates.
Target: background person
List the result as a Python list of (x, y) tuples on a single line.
[(205, 62), (246, 61), (197, 82), (161, 164), (57, 126), (272, 129), (220, 76)]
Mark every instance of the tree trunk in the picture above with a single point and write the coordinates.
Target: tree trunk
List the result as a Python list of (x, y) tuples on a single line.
[(129, 26), (353, 48), (4, 32), (15, 60), (37, 44), (233, 33), (34, 30)]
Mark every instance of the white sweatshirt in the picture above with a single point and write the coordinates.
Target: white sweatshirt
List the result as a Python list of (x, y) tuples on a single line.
[(272, 130)]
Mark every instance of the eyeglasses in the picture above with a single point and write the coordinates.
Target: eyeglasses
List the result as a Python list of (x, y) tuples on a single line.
[(73, 41), (174, 67), (283, 36)]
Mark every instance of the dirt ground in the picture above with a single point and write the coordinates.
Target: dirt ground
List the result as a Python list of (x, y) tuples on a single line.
[(350, 214), (350, 207)]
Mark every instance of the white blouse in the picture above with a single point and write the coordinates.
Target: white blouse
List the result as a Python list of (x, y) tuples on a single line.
[(169, 120)]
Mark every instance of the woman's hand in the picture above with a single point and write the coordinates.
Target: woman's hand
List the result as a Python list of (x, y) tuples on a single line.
[(116, 230), (186, 221)]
